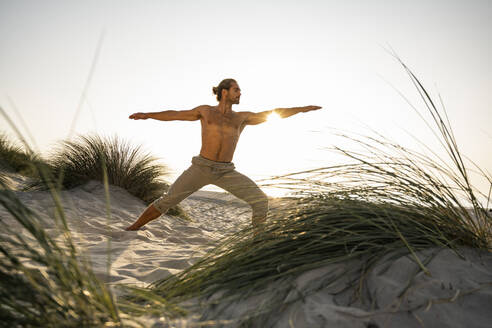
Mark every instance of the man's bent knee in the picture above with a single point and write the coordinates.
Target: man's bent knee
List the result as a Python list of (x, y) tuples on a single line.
[(260, 210), (161, 204)]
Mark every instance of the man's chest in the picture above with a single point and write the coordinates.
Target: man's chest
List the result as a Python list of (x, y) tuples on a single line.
[(225, 123)]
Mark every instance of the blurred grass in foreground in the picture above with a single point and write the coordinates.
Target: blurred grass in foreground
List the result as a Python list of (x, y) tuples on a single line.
[(64, 293)]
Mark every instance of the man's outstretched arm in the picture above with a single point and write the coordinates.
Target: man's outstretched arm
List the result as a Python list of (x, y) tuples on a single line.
[(170, 115), (257, 118)]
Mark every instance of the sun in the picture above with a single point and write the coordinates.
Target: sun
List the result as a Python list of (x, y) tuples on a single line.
[(273, 117)]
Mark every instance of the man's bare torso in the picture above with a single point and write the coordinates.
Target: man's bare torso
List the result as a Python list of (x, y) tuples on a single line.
[(220, 133)]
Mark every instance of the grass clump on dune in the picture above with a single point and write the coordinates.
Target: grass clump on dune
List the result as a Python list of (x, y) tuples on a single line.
[(388, 199), (14, 158), (81, 160)]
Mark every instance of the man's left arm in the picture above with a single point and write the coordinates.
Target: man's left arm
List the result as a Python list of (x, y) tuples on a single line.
[(257, 118)]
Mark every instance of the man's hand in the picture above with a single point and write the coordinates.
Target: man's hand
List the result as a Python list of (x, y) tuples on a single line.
[(139, 116), (310, 108)]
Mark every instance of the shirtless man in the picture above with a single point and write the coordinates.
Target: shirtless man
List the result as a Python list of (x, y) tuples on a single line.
[(221, 128)]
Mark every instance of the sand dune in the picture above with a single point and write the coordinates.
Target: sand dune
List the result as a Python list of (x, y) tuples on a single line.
[(457, 293), (165, 246)]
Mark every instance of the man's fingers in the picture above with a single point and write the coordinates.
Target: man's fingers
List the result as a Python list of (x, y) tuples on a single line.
[(137, 116), (313, 107)]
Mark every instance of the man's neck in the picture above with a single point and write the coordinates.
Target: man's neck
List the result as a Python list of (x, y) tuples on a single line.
[(224, 107)]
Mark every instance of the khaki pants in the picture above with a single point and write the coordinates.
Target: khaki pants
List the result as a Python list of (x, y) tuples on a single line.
[(203, 172)]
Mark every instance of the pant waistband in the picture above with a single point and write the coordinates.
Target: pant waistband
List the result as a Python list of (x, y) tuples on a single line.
[(199, 160)]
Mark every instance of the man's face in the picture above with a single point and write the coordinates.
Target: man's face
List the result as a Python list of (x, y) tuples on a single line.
[(234, 93)]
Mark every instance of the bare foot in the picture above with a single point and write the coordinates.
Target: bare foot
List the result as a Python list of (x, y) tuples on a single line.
[(150, 213)]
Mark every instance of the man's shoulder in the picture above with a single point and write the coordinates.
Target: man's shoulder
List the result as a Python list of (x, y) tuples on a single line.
[(203, 108)]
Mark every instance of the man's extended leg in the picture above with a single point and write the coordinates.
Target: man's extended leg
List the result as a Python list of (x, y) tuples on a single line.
[(244, 188), (187, 183), (150, 213)]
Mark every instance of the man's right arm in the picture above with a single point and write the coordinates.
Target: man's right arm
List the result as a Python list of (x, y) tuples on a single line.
[(171, 115)]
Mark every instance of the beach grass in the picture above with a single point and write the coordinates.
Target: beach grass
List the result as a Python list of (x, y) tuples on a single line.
[(387, 199), (14, 158), (76, 162), (45, 283)]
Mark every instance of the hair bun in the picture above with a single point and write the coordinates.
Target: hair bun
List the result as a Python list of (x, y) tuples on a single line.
[(214, 90)]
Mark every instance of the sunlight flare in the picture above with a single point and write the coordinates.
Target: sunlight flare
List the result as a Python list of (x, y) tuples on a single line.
[(273, 117)]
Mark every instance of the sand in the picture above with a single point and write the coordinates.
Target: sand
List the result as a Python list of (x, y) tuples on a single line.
[(163, 247), (457, 292)]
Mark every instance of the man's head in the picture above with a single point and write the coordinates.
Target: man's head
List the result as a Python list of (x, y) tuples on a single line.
[(228, 90)]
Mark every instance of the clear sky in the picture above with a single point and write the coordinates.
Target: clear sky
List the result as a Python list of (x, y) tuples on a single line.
[(158, 55)]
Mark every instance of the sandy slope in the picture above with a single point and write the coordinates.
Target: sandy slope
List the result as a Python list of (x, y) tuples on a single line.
[(164, 246), (458, 293)]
